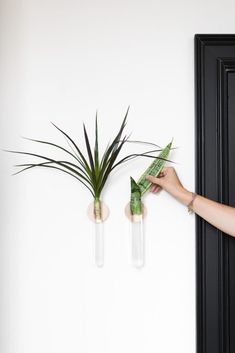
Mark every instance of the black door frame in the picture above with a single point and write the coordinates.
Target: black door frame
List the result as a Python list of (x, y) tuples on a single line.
[(214, 61)]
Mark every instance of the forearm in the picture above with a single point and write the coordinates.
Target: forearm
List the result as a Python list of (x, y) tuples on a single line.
[(219, 215)]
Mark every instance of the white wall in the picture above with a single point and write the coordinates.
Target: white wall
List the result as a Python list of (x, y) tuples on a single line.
[(60, 61)]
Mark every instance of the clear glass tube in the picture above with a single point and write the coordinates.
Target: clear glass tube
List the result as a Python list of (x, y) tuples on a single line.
[(137, 241), (99, 243)]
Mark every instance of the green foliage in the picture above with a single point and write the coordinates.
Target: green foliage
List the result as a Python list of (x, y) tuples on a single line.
[(88, 167), (154, 169), (139, 189), (135, 203)]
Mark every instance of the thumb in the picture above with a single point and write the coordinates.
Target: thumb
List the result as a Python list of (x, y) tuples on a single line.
[(154, 180)]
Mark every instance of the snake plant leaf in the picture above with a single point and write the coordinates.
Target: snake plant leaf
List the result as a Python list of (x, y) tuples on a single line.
[(135, 203), (139, 188), (154, 169)]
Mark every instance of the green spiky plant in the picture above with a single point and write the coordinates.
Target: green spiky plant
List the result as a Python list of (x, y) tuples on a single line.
[(139, 188), (89, 168)]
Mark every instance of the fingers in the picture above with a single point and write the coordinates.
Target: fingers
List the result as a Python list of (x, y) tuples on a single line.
[(159, 182), (154, 180), (167, 170), (155, 189), (164, 171)]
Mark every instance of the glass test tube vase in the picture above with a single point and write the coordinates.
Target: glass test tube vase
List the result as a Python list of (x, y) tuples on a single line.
[(98, 212)]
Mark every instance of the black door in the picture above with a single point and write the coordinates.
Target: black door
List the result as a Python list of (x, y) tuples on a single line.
[(215, 179)]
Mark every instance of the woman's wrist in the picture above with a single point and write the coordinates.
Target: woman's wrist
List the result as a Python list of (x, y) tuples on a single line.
[(183, 195)]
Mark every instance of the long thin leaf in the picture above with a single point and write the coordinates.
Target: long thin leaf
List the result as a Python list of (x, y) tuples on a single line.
[(62, 170), (64, 163), (154, 169), (110, 164), (114, 144), (88, 147), (71, 147), (144, 154), (63, 149), (96, 148), (48, 159), (148, 143), (108, 155), (86, 165), (144, 143)]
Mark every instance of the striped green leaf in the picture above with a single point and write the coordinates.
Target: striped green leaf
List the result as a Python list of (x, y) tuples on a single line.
[(154, 169)]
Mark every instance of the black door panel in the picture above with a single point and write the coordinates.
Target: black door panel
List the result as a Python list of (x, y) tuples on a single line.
[(215, 178)]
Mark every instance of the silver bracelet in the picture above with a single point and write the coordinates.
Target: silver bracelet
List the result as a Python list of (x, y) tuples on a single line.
[(190, 205)]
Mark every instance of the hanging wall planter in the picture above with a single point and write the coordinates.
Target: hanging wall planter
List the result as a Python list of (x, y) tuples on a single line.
[(90, 169), (135, 209), (98, 218), (137, 235)]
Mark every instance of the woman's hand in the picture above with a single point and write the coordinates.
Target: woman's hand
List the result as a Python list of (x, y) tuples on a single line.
[(219, 215), (170, 182)]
